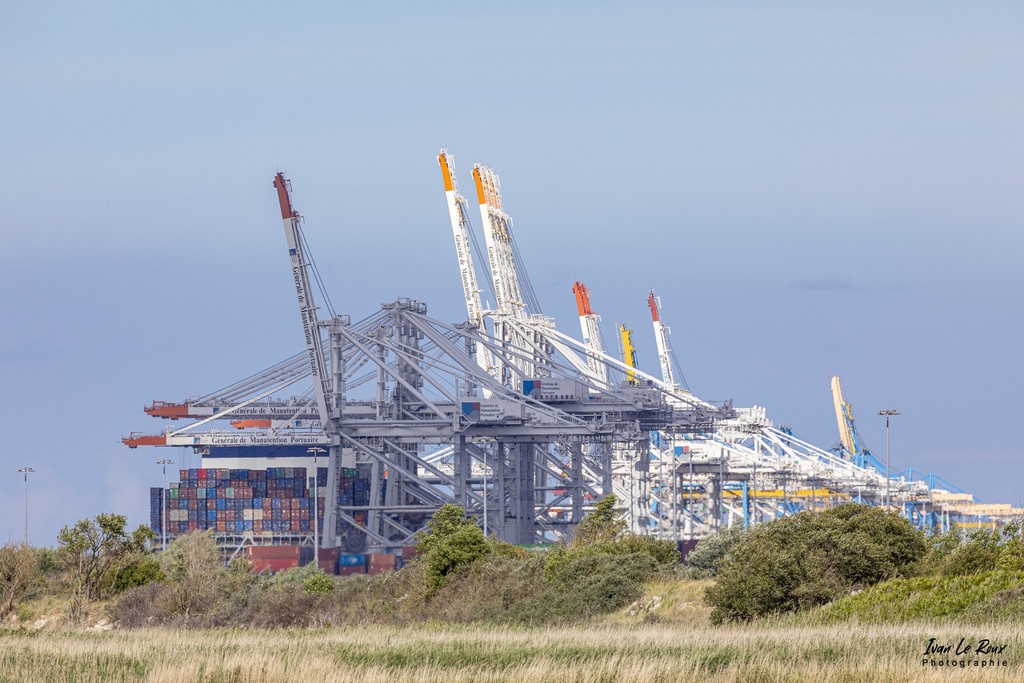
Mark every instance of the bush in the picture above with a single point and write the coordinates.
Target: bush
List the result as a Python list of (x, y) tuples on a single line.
[(929, 598), (138, 571), (318, 584), (605, 523), (450, 543), (811, 559), (710, 552), (20, 575), (982, 550)]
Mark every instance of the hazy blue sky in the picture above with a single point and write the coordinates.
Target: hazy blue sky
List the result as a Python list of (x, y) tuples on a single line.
[(812, 188)]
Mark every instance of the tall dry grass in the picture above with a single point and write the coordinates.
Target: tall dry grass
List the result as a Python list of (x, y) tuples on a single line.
[(657, 652)]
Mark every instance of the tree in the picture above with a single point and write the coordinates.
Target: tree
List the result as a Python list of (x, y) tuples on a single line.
[(449, 543), (193, 564), (20, 573), (605, 523), (94, 549)]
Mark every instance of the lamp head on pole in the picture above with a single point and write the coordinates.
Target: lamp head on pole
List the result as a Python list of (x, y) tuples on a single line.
[(887, 413), (26, 470)]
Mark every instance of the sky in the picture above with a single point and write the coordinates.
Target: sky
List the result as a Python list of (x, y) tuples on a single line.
[(811, 188)]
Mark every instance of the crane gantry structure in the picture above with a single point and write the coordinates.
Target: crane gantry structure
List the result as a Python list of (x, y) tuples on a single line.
[(521, 424)]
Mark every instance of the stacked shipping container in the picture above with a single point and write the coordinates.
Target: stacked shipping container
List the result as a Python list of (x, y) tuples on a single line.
[(268, 503), (238, 501), (354, 491)]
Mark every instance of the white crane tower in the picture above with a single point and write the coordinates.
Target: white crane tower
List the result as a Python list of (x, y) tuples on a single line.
[(591, 334), (464, 254)]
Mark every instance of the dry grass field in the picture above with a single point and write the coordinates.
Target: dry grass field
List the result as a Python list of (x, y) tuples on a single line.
[(608, 652)]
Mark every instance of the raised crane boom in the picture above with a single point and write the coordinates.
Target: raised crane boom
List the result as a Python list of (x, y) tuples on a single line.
[(628, 353), (464, 254), (460, 230), (307, 308), (591, 333), (661, 337), (497, 226), (844, 419)]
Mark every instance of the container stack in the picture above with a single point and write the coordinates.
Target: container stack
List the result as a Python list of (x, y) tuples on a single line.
[(263, 502), (353, 491), (156, 504)]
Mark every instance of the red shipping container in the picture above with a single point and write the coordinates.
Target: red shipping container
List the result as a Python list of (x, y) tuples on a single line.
[(290, 552), (273, 564), (222, 526), (351, 571), (257, 526), (202, 474), (327, 565), (382, 560), (408, 552)]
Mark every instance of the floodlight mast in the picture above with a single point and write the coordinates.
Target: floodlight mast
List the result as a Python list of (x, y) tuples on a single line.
[(888, 413)]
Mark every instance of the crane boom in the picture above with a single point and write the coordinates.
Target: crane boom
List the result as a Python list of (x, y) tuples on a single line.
[(628, 353), (456, 212), (497, 226), (591, 333), (844, 419), (661, 338), (464, 255), (307, 308)]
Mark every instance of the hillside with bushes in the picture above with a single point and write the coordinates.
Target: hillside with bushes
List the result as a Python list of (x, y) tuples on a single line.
[(852, 562)]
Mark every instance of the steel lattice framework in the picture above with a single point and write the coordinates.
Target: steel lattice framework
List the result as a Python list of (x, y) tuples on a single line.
[(519, 423)]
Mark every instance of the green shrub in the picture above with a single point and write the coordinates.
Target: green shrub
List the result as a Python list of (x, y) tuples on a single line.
[(982, 550), (605, 523), (812, 558), (318, 584), (711, 551), (137, 571), (450, 543), (927, 597)]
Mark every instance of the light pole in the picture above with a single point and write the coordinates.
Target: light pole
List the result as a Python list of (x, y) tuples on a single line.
[(316, 451), (163, 497), (888, 414), (26, 471)]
